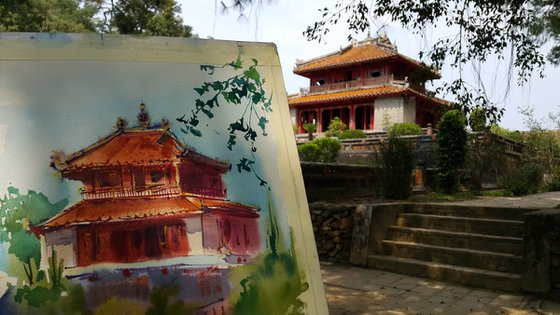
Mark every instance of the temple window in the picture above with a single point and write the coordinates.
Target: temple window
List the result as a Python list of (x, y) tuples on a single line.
[(157, 175), (108, 179), (375, 73)]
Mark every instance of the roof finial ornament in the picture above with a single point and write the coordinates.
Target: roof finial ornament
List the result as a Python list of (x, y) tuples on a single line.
[(165, 123), (143, 117), (58, 160), (121, 124)]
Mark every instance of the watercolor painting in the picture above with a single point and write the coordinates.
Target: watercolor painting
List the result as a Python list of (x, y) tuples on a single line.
[(150, 176)]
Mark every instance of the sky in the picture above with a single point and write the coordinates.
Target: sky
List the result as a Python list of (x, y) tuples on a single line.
[(283, 22)]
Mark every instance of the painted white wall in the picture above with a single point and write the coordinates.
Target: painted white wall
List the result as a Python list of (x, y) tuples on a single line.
[(62, 241), (194, 234), (397, 108)]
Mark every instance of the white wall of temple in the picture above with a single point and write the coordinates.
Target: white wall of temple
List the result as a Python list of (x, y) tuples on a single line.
[(409, 109), (388, 111), (293, 116), (392, 110)]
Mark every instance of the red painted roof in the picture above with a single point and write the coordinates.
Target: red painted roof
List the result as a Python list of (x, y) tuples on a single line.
[(131, 146), (125, 209)]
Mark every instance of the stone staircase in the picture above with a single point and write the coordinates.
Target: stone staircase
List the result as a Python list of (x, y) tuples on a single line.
[(476, 246)]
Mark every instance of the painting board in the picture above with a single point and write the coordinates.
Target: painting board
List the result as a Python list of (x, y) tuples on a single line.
[(150, 173)]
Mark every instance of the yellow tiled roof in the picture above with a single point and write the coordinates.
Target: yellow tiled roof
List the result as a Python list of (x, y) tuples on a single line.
[(348, 56), (359, 94), (346, 95)]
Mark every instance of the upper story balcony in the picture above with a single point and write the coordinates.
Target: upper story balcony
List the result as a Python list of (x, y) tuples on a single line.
[(121, 192), (362, 83), (205, 191)]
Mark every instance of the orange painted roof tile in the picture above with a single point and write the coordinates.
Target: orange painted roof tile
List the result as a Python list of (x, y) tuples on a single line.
[(347, 95), (115, 210), (129, 147), (347, 56), (125, 209), (221, 204)]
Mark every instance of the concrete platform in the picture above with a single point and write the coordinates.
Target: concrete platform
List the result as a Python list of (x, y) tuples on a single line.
[(353, 290)]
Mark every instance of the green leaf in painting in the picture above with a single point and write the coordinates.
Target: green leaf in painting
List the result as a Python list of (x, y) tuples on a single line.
[(252, 74), (199, 104), (262, 123), (237, 64), (257, 97), (199, 90), (193, 121), (195, 132), (231, 141), (245, 165), (208, 113)]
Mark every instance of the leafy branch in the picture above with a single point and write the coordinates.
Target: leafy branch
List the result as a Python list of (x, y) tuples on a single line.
[(483, 29), (245, 90)]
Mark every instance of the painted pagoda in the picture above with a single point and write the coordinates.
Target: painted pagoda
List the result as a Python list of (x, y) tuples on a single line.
[(146, 197), (367, 84)]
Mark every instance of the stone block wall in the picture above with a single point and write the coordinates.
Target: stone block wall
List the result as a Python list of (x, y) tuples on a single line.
[(326, 181), (541, 252), (332, 227)]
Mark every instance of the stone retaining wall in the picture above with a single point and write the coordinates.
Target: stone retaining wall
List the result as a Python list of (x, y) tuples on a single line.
[(334, 224), (332, 227), (541, 253)]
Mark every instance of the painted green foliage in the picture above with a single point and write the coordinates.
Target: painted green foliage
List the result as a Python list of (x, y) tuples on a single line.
[(246, 90), (276, 283), (18, 212), (160, 297)]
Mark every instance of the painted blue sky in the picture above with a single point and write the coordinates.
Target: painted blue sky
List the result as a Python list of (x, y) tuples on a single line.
[(67, 105)]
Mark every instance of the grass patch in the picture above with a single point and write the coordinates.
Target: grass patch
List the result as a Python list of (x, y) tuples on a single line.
[(496, 193), (459, 196), (436, 196)]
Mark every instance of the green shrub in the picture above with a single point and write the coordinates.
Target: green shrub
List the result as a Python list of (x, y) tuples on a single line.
[(452, 146), (525, 180), (484, 162), (511, 135), (309, 152), (477, 119), (321, 150), (329, 149), (309, 127), (553, 185), (352, 134), (404, 129), (397, 162), (336, 126)]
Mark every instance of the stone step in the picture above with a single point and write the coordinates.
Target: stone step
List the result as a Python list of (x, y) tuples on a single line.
[(492, 280), (454, 256), (499, 244), (495, 227), (469, 211)]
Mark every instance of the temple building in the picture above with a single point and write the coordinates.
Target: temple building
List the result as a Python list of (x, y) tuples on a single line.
[(147, 197), (368, 85)]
